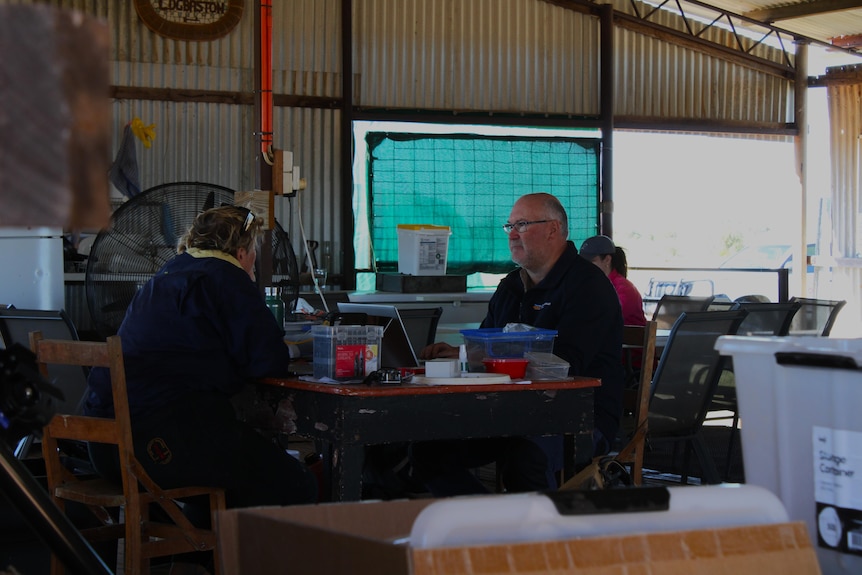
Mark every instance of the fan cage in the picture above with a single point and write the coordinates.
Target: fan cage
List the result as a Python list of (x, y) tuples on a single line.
[(143, 237)]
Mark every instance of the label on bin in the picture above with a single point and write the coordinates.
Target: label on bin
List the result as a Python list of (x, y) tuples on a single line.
[(355, 360), (838, 489)]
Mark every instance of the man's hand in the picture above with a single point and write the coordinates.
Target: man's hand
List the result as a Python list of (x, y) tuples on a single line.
[(439, 349)]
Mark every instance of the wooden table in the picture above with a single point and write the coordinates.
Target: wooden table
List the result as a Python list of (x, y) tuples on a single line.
[(344, 419)]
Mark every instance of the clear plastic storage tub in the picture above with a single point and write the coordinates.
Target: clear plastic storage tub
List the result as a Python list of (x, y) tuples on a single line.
[(800, 401), (346, 352), (495, 343)]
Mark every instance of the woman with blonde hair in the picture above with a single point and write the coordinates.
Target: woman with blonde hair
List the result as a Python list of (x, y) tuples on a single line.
[(192, 337)]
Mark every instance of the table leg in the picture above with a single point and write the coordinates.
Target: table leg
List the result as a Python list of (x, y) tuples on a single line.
[(347, 464)]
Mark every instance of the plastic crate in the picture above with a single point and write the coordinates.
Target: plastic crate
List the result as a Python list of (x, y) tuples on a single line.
[(799, 401), (345, 352), (494, 342)]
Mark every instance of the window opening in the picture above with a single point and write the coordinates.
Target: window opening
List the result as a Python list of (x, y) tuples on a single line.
[(467, 181)]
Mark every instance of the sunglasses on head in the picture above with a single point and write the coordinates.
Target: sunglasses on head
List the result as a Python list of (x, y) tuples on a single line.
[(249, 217), (249, 220)]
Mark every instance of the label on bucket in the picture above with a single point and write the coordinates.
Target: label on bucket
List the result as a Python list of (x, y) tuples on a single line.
[(838, 489)]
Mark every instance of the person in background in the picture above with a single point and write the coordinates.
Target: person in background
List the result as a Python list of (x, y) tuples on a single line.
[(552, 288), (611, 259), (192, 337)]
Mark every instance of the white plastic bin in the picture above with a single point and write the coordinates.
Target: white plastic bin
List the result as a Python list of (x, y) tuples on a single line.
[(800, 404), (423, 249)]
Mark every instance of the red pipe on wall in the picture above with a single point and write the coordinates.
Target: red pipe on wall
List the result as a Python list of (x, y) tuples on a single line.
[(266, 133)]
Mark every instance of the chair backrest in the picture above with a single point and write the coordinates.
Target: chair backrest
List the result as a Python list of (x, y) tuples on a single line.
[(15, 327), (815, 316), (688, 371), (720, 305), (641, 338), (771, 318), (420, 325), (107, 354), (670, 307)]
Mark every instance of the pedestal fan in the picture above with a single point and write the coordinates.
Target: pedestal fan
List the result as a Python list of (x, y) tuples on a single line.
[(143, 236)]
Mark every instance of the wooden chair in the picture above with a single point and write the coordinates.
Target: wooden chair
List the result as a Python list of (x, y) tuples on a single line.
[(636, 399), (144, 536)]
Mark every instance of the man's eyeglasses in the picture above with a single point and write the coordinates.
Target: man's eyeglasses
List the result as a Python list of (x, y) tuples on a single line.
[(521, 225)]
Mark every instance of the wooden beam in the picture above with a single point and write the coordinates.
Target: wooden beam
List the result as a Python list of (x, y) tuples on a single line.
[(851, 41)]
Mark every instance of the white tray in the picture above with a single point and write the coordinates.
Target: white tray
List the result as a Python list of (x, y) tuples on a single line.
[(465, 379)]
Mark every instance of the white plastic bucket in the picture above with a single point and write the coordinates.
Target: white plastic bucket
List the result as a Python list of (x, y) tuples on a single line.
[(423, 249), (799, 403)]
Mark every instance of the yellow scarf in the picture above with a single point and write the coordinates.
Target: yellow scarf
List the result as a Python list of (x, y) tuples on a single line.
[(199, 253)]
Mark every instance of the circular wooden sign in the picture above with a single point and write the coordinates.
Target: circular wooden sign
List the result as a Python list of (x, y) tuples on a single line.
[(190, 19)]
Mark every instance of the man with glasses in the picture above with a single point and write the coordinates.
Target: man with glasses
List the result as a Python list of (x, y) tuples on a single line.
[(553, 288)]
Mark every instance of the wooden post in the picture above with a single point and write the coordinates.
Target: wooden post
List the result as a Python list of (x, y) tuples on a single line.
[(54, 118)]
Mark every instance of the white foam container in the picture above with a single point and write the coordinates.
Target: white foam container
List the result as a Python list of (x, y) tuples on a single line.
[(423, 249), (519, 517), (780, 408)]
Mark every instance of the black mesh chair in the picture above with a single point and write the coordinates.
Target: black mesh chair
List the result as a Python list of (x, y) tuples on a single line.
[(684, 383), (772, 318), (670, 307), (761, 319), (721, 305), (815, 316)]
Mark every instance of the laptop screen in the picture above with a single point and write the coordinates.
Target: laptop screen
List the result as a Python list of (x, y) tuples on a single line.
[(396, 349)]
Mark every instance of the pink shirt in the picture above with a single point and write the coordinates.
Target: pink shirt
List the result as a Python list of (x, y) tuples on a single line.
[(630, 299)]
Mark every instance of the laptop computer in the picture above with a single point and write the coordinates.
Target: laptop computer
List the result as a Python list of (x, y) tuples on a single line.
[(396, 350)]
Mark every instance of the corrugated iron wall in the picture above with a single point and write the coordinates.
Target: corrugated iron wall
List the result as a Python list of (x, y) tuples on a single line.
[(496, 55), (306, 56), (195, 142), (845, 128), (306, 51), (312, 135), (660, 80)]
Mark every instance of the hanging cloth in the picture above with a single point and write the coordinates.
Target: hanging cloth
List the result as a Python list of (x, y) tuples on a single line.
[(124, 171)]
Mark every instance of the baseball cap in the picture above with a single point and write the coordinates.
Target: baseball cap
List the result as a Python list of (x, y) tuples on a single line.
[(597, 246)]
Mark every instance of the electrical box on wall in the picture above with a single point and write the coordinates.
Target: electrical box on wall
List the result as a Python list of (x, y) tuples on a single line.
[(285, 175)]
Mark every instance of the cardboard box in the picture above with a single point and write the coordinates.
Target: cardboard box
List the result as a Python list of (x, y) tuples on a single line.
[(358, 538)]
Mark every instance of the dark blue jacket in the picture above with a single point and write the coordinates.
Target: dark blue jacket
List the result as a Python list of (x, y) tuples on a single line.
[(577, 300), (200, 324)]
